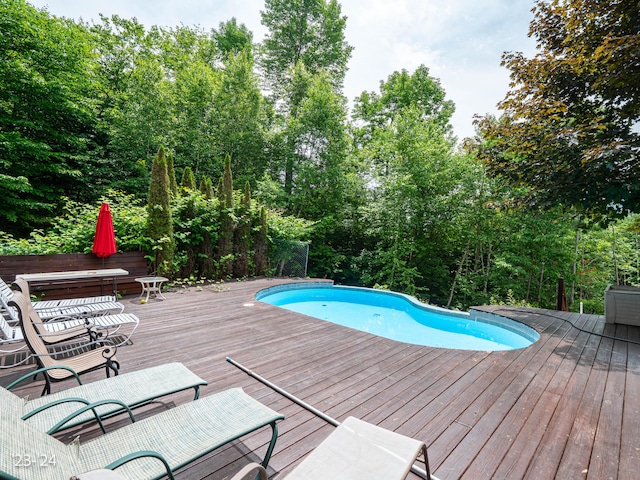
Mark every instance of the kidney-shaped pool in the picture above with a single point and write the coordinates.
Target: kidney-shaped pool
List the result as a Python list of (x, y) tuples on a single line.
[(400, 317)]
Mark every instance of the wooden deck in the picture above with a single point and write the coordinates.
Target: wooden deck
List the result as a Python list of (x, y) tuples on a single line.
[(567, 407)]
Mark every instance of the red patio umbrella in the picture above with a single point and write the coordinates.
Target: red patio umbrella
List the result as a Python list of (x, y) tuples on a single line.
[(104, 243)]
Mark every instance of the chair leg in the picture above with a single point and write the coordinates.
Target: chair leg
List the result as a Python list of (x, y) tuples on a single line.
[(47, 385), (426, 462), (112, 365), (272, 444)]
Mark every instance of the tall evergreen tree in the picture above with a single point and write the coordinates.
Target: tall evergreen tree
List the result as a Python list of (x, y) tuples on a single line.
[(260, 245), (206, 187), (159, 220), (242, 241), (188, 179), (225, 198)]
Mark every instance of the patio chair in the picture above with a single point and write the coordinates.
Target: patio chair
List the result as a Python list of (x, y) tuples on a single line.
[(52, 329), (87, 306), (147, 449), (53, 333), (355, 450), (101, 399), (83, 358)]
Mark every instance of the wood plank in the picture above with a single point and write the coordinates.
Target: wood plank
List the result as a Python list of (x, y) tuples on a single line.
[(630, 434)]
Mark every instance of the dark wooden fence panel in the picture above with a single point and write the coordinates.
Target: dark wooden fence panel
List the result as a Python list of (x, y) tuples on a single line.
[(133, 262)]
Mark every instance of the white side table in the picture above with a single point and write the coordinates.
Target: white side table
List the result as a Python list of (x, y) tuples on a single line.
[(151, 286)]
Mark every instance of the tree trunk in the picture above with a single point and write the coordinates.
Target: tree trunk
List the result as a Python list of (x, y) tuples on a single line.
[(455, 278)]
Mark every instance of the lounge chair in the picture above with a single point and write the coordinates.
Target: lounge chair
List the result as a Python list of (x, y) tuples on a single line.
[(83, 358), (101, 399), (355, 450), (147, 449), (53, 333), (23, 285), (52, 328), (82, 307)]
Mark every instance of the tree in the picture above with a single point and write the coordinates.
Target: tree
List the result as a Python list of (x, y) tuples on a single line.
[(134, 100), (47, 115), (417, 184), (231, 38), (173, 184), (316, 150), (307, 31), (159, 222), (243, 236), (206, 187), (188, 179), (239, 119), (569, 133), (401, 90), (225, 236)]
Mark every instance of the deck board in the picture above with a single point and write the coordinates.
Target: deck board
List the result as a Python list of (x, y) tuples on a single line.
[(566, 407)]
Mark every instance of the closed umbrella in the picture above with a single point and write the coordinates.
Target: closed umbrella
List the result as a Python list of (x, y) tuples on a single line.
[(104, 243)]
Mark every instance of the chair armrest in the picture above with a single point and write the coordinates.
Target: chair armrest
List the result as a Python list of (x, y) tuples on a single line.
[(247, 469), (44, 332), (41, 370), (63, 318), (89, 406), (141, 454), (108, 350)]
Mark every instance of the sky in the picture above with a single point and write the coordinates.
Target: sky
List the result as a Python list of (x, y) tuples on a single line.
[(460, 41)]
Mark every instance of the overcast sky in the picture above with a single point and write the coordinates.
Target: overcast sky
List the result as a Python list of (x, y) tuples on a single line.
[(460, 41)]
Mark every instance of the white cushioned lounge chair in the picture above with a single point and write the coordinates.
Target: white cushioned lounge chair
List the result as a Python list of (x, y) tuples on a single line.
[(80, 307), (355, 450), (52, 329)]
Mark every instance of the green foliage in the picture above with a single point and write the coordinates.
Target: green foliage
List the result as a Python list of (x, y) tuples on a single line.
[(47, 120), (188, 179), (206, 187), (310, 33), (173, 184), (239, 119), (386, 199), (569, 130), (159, 220), (73, 231), (403, 90), (225, 203), (316, 150), (231, 38)]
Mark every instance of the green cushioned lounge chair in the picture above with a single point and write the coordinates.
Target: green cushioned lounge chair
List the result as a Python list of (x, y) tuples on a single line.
[(101, 399), (147, 449)]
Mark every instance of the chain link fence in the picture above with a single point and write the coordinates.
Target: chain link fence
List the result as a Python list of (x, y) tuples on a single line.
[(289, 258)]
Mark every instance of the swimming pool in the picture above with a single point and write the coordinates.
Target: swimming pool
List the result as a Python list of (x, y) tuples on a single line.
[(400, 317)]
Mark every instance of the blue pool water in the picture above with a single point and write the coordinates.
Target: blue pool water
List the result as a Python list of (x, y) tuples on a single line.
[(400, 317)]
